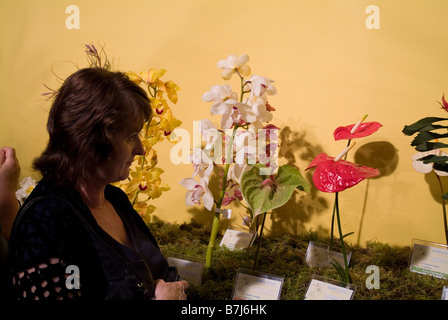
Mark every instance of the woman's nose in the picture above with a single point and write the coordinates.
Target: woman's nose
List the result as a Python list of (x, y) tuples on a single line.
[(138, 149)]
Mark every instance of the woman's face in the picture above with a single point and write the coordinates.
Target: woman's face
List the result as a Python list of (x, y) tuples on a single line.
[(126, 146)]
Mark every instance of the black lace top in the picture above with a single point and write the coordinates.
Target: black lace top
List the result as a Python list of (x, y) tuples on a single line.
[(50, 237)]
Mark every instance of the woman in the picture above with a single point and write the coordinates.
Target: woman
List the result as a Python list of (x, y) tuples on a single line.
[(76, 235)]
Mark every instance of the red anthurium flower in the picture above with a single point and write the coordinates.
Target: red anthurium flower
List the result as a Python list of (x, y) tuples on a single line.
[(444, 104), (334, 176), (357, 130)]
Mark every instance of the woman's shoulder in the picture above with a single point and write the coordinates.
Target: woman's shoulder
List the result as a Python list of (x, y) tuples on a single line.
[(46, 202), (46, 218)]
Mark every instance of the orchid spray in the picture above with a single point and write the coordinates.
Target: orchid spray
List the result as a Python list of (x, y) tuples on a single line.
[(335, 174), (429, 157), (144, 182), (244, 149)]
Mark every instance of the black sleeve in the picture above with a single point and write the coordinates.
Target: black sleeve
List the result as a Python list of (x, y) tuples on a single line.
[(51, 255)]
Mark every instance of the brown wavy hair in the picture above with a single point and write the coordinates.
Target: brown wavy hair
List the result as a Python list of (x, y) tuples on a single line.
[(92, 105)]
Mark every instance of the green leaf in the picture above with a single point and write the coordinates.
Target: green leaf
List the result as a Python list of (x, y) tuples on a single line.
[(266, 198), (426, 136), (427, 146), (420, 125), (434, 159), (445, 196), (347, 234), (340, 271)]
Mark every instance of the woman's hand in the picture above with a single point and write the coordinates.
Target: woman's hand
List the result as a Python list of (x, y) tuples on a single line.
[(170, 290), (9, 179), (9, 169)]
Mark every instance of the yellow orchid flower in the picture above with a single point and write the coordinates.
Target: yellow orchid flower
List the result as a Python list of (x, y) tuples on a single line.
[(134, 77), (171, 90), (154, 75)]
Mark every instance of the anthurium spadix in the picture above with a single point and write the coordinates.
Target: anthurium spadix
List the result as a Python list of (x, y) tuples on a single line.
[(264, 193)]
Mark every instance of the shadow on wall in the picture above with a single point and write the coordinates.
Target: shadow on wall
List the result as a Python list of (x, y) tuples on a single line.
[(381, 155), (300, 209), (434, 185)]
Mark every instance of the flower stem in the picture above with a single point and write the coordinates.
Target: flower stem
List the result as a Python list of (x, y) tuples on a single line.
[(336, 195), (216, 218), (211, 244), (347, 275), (332, 220), (259, 240)]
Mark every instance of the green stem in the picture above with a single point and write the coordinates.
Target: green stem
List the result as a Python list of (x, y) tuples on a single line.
[(443, 208), (347, 275), (332, 221), (259, 240), (334, 205), (217, 216), (211, 244)]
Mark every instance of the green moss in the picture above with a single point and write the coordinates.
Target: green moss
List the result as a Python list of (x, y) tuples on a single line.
[(284, 255)]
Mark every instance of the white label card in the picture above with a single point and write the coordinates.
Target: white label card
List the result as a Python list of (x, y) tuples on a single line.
[(430, 258), (190, 271), (320, 289), (226, 213), (234, 239), (251, 285), (444, 293), (320, 255)]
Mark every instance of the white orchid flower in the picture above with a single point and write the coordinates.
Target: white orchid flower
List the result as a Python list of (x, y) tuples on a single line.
[(421, 167), (202, 164), (233, 112), (260, 86), (232, 64), (236, 171), (197, 190), (260, 109), (209, 133), (220, 93)]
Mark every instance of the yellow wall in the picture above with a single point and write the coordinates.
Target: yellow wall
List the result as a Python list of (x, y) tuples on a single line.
[(329, 68)]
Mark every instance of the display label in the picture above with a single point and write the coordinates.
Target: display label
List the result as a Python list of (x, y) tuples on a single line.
[(234, 239), (327, 289), (321, 255), (429, 258), (250, 285), (444, 293), (189, 270)]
